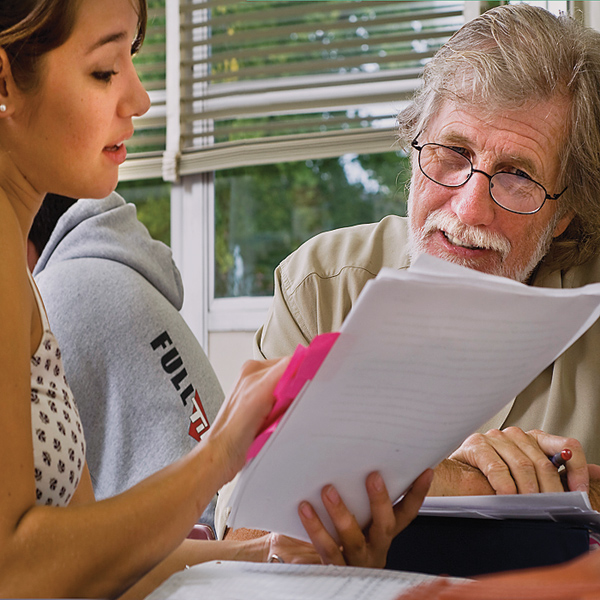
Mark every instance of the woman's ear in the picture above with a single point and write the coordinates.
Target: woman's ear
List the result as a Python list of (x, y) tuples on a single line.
[(8, 88)]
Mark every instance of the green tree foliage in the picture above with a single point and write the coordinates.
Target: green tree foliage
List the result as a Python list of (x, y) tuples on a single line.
[(263, 213)]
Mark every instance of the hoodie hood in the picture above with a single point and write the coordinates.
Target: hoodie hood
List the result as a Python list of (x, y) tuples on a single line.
[(109, 229)]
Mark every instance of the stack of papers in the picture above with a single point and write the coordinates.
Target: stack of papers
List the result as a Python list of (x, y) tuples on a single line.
[(425, 357), (565, 507)]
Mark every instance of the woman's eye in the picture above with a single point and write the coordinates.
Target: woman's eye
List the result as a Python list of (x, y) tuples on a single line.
[(104, 76)]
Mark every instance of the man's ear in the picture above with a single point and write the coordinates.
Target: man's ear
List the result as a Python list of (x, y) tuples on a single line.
[(8, 88), (562, 224)]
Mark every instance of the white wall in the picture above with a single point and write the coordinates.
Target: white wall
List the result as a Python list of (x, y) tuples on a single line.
[(591, 12), (227, 352)]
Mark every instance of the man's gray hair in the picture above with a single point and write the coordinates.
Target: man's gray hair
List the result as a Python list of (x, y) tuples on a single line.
[(512, 55)]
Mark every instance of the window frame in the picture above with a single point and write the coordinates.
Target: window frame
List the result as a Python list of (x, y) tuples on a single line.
[(192, 194), (193, 209)]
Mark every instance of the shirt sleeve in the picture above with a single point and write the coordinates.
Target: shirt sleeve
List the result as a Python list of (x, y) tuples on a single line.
[(283, 329)]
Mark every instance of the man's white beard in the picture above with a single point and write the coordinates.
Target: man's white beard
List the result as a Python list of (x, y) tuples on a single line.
[(481, 238)]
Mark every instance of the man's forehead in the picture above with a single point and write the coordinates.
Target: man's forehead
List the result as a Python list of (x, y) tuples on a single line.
[(529, 134)]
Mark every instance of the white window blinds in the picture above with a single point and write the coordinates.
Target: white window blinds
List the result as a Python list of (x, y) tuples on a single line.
[(262, 82), (146, 148)]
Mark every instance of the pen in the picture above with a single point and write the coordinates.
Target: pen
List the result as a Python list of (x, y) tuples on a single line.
[(560, 458)]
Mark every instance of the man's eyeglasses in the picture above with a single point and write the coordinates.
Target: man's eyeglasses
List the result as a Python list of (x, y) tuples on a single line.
[(448, 167)]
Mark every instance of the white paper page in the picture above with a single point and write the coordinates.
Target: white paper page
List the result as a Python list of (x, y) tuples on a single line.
[(430, 268), (531, 506), (221, 580), (419, 365), (563, 507)]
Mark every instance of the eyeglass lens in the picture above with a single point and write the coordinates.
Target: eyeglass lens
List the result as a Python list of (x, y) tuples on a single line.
[(450, 168)]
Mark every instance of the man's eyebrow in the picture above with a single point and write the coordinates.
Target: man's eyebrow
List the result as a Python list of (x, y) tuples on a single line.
[(520, 161), (107, 39)]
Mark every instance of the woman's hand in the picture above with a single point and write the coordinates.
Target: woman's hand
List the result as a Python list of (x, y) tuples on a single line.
[(281, 548), (243, 413), (358, 548)]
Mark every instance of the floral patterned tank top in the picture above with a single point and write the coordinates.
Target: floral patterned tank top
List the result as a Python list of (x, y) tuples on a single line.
[(58, 441)]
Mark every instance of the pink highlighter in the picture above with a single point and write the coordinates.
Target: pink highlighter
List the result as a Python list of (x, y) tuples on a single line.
[(303, 366)]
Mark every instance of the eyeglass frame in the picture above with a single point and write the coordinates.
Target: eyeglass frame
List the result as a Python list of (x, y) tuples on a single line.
[(547, 196)]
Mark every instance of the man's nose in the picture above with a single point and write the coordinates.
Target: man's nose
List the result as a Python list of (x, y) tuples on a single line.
[(472, 202)]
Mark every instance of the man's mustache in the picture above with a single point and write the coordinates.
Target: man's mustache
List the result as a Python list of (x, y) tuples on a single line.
[(470, 236)]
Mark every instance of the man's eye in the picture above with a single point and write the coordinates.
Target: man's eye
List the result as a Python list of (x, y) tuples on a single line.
[(104, 76), (459, 150), (520, 173)]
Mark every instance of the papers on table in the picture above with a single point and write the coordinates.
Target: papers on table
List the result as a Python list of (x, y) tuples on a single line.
[(565, 507), (424, 358), (222, 580)]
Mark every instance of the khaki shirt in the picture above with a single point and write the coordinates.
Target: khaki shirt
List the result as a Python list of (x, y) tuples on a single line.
[(316, 286)]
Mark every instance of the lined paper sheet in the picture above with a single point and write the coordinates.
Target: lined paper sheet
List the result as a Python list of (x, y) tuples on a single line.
[(222, 580), (425, 357)]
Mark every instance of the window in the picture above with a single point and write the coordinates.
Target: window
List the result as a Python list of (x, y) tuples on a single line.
[(152, 198), (270, 122), (262, 213)]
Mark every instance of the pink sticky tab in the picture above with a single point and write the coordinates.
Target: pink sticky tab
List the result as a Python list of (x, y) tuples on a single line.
[(302, 367)]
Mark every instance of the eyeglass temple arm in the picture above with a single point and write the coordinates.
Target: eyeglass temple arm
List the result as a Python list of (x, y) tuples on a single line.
[(414, 142), (556, 196)]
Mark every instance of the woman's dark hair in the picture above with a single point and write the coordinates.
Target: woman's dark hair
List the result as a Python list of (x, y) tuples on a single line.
[(31, 28)]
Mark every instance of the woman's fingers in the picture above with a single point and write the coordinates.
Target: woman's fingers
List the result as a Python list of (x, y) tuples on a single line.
[(243, 413), (325, 545), (357, 547), (388, 520)]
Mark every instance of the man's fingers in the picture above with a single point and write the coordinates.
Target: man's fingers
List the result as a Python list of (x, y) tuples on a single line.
[(532, 469), (577, 468), (477, 450), (594, 471), (515, 461)]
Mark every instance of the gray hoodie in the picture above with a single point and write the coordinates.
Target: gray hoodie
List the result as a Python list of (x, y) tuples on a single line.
[(144, 387)]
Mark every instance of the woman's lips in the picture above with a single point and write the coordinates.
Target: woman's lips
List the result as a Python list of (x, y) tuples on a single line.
[(116, 153)]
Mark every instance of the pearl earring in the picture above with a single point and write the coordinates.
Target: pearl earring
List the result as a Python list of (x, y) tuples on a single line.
[(2, 107)]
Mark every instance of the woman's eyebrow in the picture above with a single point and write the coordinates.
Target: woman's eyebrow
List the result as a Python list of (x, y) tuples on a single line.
[(108, 39)]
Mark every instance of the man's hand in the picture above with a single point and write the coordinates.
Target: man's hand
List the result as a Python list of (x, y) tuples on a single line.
[(363, 548), (455, 478), (594, 472), (511, 462)]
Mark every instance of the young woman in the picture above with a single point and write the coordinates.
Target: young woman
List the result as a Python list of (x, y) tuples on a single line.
[(68, 93)]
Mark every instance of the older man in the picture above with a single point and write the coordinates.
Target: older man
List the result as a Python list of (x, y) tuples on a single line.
[(505, 142)]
